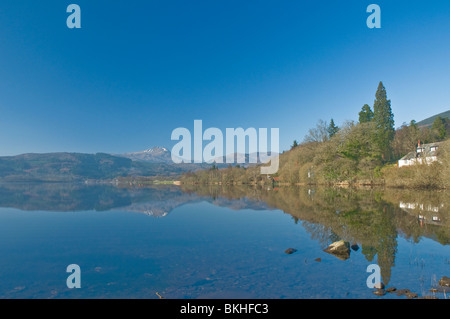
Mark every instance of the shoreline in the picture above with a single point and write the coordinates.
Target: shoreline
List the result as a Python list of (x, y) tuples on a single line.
[(137, 182), (336, 185)]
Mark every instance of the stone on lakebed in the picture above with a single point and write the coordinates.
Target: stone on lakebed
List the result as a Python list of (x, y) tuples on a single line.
[(290, 251), (340, 249), (444, 281)]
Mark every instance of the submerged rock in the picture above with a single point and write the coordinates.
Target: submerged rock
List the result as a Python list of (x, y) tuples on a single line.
[(379, 285), (411, 295), (391, 289), (354, 247), (290, 251), (379, 292), (401, 292), (444, 281), (340, 249), (440, 289)]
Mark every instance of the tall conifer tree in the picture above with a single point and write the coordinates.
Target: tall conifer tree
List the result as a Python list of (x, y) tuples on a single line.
[(384, 120)]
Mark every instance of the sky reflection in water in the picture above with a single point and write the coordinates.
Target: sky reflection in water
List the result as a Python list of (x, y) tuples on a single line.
[(216, 243)]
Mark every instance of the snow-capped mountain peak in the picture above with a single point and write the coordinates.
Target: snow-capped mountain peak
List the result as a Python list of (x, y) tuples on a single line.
[(155, 154)]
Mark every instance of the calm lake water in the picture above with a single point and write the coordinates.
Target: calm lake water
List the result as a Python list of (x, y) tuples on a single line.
[(215, 242)]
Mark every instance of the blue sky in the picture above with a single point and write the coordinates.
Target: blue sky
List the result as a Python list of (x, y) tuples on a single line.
[(137, 70)]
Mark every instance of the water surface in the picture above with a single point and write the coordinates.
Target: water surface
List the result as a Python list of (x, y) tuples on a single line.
[(215, 242)]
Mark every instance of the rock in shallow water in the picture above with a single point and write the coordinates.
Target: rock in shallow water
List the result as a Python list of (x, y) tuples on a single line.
[(290, 251), (379, 285), (401, 292), (379, 292), (340, 249), (444, 281), (440, 289), (391, 289), (411, 295)]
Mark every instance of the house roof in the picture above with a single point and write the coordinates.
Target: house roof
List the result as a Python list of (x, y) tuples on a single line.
[(409, 156), (431, 144), (427, 151)]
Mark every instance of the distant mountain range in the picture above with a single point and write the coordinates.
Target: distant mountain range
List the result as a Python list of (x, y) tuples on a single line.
[(74, 167), (163, 155), (152, 155), (429, 121)]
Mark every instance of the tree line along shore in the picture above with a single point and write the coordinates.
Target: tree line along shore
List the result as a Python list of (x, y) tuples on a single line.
[(364, 153)]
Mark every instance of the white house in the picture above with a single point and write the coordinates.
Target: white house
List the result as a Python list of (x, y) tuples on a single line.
[(424, 153)]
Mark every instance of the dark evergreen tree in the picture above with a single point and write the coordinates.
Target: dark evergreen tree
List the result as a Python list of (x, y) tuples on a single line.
[(294, 145), (384, 121), (332, 129), (438, 128), (366, 114)]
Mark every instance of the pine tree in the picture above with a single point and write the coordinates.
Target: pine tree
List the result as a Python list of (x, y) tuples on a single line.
[(366, 114), (332, 129), (439, 129), (384, 121)]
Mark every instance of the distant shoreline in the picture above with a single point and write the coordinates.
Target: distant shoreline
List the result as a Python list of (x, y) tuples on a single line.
[(151, 181)]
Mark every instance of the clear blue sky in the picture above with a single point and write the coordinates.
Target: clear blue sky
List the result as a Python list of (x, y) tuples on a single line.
[(137, 70)]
